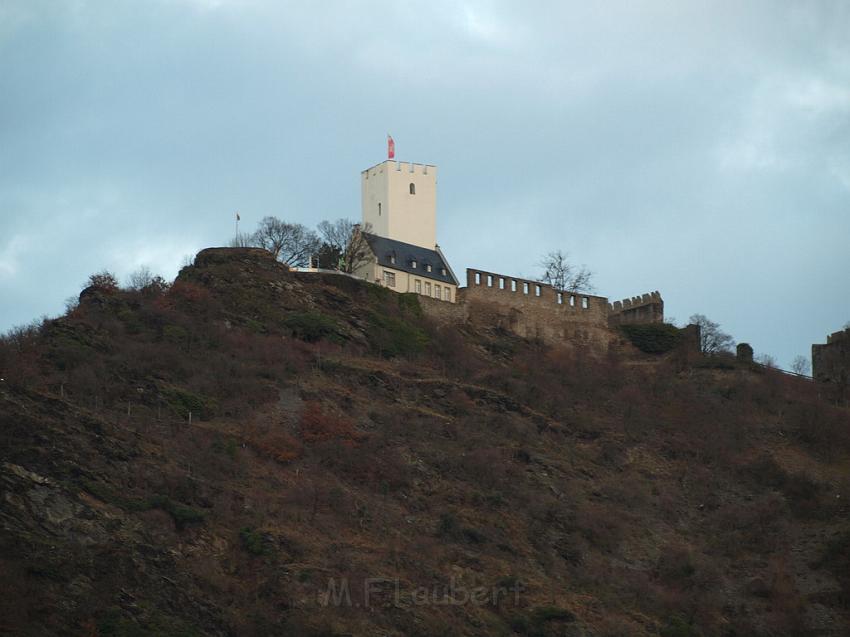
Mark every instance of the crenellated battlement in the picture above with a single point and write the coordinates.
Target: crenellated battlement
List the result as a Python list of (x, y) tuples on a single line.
[(391, 165), (534, 309), (505, 288), (831, 362), (646, 308), (838, 337)]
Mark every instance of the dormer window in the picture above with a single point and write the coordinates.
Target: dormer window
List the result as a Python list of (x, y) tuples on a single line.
[(392, 259), (413, 264), (443, 271), (412, 188), (428, 268)]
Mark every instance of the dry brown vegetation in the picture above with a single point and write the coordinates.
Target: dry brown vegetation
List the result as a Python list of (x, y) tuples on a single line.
[(205, 458)]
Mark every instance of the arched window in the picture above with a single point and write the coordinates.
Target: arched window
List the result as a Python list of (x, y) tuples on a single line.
[(412, 188)]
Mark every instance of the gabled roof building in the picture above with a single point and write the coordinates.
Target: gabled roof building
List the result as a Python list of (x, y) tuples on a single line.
[(399, 206)]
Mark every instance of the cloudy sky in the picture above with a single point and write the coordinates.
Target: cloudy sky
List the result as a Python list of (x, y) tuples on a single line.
[(697, 148)]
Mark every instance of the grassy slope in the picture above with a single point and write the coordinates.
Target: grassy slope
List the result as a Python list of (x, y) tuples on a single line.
[(337, 434)]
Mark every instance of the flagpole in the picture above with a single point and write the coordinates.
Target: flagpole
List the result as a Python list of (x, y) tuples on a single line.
[(237, 228)]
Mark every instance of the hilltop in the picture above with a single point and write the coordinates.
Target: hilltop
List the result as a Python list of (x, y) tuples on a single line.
[(211, 457)]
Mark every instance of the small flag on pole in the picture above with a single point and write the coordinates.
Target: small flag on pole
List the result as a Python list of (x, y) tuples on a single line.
[(390, 147)]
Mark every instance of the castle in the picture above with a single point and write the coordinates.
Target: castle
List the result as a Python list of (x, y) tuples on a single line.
[(399, 204), (399, 222)]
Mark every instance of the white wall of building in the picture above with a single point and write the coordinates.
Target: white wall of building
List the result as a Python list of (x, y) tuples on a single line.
[(392, 210)]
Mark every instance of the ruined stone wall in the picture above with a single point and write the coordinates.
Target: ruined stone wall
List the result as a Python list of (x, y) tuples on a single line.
[(831, 362), (535, 310), (443, 312), (647, 308)]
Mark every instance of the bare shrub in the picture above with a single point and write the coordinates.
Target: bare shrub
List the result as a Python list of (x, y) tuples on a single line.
[(103, 280)]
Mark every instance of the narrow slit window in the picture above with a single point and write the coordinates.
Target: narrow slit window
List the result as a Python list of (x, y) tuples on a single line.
[(585, 302), (572, 301), (489, 280), (513, 285), (537, 290), (412, 188), (501, 283), (560, 298), (477, 278), (524, 287)]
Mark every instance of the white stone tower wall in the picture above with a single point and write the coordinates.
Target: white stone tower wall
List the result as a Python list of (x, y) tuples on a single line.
[(402, 216)]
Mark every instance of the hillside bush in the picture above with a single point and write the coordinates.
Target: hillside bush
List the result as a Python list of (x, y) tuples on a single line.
[(317, 425), (392, 336), (653, 338), (314, 326)]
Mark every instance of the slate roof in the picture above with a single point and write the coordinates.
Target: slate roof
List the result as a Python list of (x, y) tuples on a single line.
[(405, 254)]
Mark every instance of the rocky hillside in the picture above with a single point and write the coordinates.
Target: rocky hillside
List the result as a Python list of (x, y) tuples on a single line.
[(250, 451)]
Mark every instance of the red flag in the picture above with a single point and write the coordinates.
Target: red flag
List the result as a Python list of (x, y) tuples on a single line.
[(390, 147)]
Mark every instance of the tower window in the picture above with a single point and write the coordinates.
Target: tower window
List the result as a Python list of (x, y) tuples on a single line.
[(412, 188)]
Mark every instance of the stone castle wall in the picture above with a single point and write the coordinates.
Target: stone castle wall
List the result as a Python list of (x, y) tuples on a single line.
[(532, 309), (831, 362), (647, 308), (535, 310)]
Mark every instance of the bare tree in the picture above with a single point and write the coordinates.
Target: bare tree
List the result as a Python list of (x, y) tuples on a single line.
[(712, 340), (800, 365), (140, 279), (561, 274), (242, 240), (104, 280), (344, 243), (767, 360), (290, 243)]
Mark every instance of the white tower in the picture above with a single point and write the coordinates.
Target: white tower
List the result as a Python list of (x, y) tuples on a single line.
[(399, 201)]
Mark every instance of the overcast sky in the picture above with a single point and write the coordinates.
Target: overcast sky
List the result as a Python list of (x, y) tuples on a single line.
[(700, 149)]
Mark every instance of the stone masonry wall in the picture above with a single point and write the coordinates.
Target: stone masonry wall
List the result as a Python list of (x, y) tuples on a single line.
[(535, 310), (831, 362), (647, 308)]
